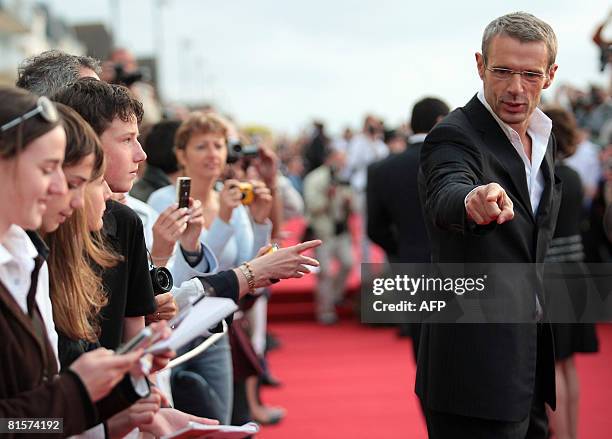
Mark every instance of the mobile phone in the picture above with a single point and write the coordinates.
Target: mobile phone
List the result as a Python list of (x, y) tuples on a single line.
[(183, 188), (142, 339)]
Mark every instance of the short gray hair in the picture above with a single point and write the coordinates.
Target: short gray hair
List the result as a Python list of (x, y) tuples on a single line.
[(49, 72), (523, 27)]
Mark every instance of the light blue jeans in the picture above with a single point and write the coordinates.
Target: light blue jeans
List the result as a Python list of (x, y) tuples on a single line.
[(203, 386)]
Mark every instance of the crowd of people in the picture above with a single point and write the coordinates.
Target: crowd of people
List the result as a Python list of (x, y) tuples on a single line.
[(76, 282), (86, 212)]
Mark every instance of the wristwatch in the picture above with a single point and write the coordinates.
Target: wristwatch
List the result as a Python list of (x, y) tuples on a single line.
[(247, 271)]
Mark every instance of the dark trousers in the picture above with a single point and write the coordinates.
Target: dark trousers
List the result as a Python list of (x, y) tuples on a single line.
[(449, 426), (441, 425)]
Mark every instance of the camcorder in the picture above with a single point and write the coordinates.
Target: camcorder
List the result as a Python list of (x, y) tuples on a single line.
[(126, 78), (237, 151)]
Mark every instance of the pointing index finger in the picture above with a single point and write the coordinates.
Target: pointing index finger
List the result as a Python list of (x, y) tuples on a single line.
[(308, 244), (494, 192)]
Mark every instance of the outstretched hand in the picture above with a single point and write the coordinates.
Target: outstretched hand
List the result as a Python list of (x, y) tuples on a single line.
[(283, 264), (489, 203)]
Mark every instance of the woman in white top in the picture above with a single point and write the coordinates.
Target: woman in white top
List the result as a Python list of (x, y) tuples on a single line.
[(233, 232)]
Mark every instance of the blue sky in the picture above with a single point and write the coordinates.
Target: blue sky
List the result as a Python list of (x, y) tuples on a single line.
[(281, 64)]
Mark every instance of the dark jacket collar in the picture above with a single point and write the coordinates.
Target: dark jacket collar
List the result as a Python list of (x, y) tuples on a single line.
[(39, 244)]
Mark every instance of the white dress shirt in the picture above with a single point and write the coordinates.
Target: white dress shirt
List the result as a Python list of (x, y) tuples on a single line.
[(539, 130), (17, 255)]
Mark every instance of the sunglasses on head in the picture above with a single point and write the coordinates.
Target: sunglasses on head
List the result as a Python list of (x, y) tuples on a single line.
[(44, 107)]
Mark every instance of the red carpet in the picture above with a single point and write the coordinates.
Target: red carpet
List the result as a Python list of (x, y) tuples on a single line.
[(293, 299), (351, 381)]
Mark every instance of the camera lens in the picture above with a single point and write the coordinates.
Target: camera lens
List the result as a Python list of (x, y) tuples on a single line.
[(162, 281)]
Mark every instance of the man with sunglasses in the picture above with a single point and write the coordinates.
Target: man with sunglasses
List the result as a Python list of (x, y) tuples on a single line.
[(489, 195)]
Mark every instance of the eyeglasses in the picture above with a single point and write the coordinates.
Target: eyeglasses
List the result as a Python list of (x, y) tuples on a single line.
[(44, 107), (506, 74)]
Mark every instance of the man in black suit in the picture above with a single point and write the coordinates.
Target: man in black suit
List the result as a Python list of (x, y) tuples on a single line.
[(489, 195), (394, 211), (395, 221)]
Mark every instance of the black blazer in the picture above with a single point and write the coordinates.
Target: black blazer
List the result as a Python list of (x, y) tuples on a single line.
[(395, 220), (484, 370)]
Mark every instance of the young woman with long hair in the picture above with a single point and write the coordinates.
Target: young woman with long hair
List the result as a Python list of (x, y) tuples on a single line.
[(71, 227), (75, 286), (32, 147)]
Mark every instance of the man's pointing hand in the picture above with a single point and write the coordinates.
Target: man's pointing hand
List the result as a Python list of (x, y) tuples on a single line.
[(489, 203)]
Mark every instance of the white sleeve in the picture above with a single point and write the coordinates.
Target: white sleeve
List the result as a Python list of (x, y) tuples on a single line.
[(182, 271)]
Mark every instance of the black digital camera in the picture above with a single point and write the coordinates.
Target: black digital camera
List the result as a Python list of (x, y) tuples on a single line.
[(124, 78), (162, 281)]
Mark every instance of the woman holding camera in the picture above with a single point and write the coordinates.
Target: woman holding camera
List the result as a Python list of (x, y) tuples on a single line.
[(232, 231), (32, 146)]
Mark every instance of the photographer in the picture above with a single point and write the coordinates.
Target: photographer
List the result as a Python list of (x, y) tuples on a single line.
[(328, 206), (365, 148), (605, 46), (122, 69)]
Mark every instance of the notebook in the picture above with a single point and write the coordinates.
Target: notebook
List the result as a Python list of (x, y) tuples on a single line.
[(195, 430), (196, 322)]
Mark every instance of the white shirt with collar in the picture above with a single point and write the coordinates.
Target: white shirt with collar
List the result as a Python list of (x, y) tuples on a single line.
[(17, 255), (539, 129)]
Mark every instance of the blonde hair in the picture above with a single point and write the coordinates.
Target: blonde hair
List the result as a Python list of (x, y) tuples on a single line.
[(77, 292), (200, 123)]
